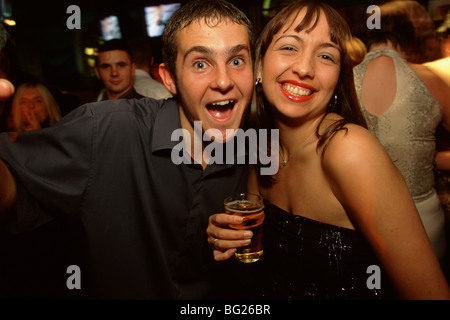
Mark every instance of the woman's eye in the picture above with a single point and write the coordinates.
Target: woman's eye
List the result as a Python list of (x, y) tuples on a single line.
[(327, 57), (288, 48)]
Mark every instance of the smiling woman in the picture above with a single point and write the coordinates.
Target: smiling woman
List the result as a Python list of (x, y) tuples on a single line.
[(338, 205), (341, 183)]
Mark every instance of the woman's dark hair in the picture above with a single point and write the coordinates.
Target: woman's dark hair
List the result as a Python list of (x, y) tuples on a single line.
[(407, 25)]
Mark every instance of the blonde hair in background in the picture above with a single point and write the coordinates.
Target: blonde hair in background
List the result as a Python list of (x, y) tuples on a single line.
[(54, 113), (356, 50)]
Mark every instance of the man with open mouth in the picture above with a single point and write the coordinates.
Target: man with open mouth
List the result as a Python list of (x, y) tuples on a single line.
[(108, 166)]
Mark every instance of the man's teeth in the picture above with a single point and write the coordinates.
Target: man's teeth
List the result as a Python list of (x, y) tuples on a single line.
[(297, 91), (222, 103)]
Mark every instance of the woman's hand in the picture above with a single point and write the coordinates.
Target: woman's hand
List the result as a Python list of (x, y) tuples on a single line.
[(30, 121)]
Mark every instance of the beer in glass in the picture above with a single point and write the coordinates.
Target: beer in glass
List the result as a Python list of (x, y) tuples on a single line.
[(251, 208)]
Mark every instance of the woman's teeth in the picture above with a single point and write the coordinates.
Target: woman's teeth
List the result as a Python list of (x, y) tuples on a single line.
[(296, 91)]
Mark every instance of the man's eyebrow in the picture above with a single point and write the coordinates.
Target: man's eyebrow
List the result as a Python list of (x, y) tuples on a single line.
[(200, 49), (208, 51), (107, 64), (238, 48)]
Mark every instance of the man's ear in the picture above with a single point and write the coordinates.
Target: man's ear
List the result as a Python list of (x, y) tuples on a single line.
[(167, 78)]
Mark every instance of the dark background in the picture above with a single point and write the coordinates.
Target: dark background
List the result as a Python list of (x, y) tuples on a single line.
[(41, 47)]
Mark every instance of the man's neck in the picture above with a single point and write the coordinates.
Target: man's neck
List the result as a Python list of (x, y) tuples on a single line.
[(113, 95)]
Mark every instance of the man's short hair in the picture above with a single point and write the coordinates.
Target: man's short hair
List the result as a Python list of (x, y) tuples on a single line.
[(212, 12), (115, 44), (141, 49)]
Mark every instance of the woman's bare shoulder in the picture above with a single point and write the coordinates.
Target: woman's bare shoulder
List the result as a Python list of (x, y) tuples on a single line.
[(352, 147)]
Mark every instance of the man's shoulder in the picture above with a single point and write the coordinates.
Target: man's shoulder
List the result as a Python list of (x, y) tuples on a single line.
[(143, 106)]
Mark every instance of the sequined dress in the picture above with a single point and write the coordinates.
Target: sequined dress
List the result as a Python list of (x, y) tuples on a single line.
[(407, 130), (307, 259)]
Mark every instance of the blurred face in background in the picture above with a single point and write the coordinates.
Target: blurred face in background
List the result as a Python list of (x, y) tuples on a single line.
[(32, 109), (116, 71)]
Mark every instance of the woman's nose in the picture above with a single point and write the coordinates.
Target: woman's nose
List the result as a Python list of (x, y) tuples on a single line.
[(304, 66)]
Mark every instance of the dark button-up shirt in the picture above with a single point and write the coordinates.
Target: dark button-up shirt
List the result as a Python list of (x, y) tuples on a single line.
[(130, 94), (109, 165)]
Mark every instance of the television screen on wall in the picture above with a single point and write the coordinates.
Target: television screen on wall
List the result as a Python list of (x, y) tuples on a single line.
[(156, 17), (110, 28)]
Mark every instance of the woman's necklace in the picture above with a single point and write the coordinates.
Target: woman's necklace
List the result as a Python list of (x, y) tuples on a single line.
[(284, 162)]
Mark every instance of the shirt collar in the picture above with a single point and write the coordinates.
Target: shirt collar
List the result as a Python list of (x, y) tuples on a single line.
[(167, 121)]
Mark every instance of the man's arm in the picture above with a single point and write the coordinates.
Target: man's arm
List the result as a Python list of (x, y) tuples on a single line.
[(8, 190)]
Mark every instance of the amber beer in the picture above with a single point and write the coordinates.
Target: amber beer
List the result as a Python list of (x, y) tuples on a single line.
[(251, 207)]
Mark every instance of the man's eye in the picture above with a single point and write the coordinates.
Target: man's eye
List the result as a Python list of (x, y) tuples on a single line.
[(237, 62), (199, 65)]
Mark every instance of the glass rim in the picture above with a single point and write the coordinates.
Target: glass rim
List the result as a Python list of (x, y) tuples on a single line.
[(243, 196)]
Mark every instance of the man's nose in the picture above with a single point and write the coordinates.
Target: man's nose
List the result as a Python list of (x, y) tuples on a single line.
[(223, 80)]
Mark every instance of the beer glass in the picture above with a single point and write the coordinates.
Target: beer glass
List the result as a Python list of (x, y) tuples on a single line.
[(251, 208)]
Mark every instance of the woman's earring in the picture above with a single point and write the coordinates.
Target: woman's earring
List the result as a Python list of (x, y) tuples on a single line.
[(333, 102), (258, 81)]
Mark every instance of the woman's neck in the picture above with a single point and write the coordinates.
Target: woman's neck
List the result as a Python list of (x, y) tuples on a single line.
[(292, 136)]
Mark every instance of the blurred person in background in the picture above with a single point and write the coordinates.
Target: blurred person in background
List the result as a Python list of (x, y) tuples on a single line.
[(33, 107), (144, 84), (403, 103), (115, 68), (441, 67)]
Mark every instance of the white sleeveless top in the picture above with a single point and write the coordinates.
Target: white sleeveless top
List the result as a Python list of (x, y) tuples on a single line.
[(407, 129)]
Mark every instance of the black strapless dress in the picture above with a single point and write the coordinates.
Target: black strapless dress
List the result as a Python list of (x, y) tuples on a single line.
[(307, 259)]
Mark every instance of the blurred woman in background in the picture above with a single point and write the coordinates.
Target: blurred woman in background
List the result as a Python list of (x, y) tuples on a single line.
[(33, 107)]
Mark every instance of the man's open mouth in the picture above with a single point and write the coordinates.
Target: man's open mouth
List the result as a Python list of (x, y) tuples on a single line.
[(221, 110)]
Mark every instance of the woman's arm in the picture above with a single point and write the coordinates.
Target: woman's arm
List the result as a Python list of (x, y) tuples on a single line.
[(378, 202), (442, 160), (438, 88)]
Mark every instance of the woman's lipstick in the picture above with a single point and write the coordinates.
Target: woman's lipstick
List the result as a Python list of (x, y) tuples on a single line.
[(296, 91)]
